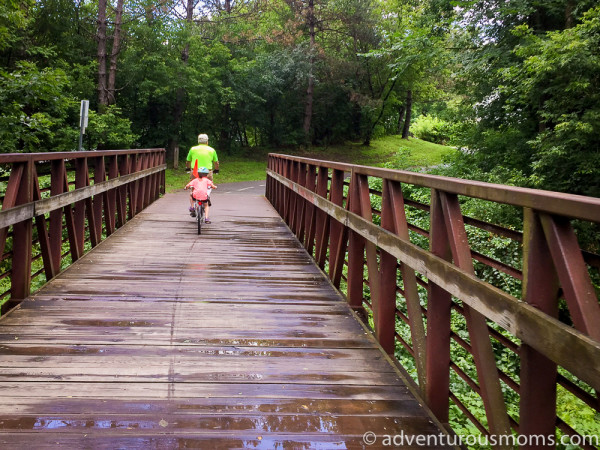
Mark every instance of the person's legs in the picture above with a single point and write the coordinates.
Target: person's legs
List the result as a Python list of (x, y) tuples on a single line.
[(206, 209), (191, 208)]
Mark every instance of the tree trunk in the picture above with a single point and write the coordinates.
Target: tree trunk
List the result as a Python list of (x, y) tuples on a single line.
[(101, 37), (569, 13), (367, 139), (180, 96), (116, 48), (406, 129), (401, 112), (308, 110), (225, 141)]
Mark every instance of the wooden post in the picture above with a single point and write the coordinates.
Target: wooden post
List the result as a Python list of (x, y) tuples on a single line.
[(337, 249), (365, 210), (293, 199), (75, 248), (99, 176), (538, 373), (133, 187), (393, 218), (309, 225), (299, 226), (122, 192), (22, 241), (81, 180), (58, 173), (163, 176), (40, 223), (481, 347), (438, 322), (111, 196), (356, 250), (323, 221)]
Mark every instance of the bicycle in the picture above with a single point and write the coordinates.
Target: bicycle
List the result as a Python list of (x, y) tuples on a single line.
[(199, 208)]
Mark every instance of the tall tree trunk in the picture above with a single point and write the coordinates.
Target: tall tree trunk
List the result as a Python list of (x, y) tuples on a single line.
[(310, 89), (180, 96), (406, 129), (401, 112), (569, 13), (101, 37), (116, 48), (381, 111), (225, 141)]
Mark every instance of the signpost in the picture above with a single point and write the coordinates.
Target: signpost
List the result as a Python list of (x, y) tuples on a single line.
[(83, 120)]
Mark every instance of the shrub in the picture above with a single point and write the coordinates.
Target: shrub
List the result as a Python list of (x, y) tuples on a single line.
[(432, 129)]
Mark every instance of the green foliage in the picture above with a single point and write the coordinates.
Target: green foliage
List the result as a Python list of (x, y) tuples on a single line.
[(109, 130), (34, 110), (13, 19), (530, 86), (558, 82), (432, 129), (269, 94)]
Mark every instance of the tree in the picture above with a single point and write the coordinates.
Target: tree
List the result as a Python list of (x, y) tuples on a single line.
[(306, 19), (114, 54), (34, 110), (180, 99), (558, 86), (527, 119), (415, 55), (101, 54)]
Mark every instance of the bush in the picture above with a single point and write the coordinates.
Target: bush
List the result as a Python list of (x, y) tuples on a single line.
[(432, 129), (109, 130)]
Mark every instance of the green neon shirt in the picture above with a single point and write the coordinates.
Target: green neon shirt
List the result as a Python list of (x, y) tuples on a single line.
[(204, 154)]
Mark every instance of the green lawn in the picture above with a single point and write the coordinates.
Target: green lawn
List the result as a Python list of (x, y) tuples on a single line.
[(391, 151), (232, 169)]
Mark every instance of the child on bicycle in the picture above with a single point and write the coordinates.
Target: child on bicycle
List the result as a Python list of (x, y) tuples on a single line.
[(201, 186)]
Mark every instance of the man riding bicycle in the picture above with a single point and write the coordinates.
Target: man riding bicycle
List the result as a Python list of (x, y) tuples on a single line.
[(205, 156), (200, 190), (202, 156)]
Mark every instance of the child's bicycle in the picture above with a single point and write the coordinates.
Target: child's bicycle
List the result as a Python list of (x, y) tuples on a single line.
[(199, 208)]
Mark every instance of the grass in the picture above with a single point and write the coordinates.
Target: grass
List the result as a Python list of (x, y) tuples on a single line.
[(390, 151), (232, 169)]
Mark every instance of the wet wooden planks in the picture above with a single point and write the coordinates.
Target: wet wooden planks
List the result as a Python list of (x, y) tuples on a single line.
[(162, 339)]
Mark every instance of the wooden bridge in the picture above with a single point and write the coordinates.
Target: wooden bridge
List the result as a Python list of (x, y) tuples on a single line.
[(356, 330)]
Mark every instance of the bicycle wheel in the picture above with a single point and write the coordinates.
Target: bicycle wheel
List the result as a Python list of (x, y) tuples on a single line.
[(199, 217)]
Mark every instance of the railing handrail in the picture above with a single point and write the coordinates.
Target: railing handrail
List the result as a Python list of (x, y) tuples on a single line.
[(512, 314), (345, 228), (569, 205), (89, 194), (16, 214), (7, 158)]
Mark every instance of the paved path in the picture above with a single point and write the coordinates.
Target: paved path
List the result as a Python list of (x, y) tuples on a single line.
[(160, 338)]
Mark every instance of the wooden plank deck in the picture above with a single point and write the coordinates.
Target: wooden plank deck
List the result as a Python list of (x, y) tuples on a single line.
[(159, 338)]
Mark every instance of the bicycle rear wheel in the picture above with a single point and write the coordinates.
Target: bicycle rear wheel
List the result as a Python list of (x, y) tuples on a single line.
[(199, 217)]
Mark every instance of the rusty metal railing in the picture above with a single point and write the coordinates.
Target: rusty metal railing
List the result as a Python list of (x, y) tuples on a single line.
[(426, 298), (75, 199)]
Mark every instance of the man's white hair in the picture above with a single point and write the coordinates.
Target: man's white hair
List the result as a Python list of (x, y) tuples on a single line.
[(202, 139)]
